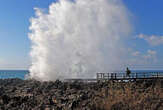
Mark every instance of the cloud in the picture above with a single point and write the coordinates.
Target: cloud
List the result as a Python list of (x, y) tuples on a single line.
[(153, 40), (136, 53), (149, 57), (150, 54)]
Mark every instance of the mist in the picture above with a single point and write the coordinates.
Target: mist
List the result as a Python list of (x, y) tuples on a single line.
[(77, 39)]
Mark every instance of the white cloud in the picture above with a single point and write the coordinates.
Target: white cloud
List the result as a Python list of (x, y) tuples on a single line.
[(140, 58), (153, 40), (136, 53), (150, 54)]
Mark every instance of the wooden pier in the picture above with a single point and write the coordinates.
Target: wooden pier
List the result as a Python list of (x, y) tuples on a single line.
[(132, 76), (121, 77)]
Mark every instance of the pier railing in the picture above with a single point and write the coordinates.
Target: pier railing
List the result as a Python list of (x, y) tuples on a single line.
[(120, 76)]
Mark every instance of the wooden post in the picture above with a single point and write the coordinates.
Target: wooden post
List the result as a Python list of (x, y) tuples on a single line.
[(108, 76), (97, 76), (100, 75), (115, 75)]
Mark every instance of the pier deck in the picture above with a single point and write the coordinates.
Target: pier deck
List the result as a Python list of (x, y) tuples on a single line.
[(132, 76), (122, 77)]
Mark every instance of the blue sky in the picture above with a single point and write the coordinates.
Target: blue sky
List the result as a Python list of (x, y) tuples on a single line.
[(146, 17), (14, 24)]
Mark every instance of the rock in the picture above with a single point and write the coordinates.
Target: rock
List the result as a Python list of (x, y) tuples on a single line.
[(5, 99), (35, 95)]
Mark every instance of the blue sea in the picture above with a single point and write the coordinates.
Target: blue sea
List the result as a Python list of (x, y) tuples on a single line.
[(4, 74)]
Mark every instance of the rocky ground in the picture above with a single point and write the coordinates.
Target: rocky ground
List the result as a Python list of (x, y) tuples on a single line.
[(17, 94)]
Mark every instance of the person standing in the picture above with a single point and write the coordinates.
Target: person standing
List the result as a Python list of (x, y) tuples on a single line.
[(128, 72)]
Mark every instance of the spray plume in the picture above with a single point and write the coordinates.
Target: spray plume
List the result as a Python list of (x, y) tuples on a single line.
[(78, 38)]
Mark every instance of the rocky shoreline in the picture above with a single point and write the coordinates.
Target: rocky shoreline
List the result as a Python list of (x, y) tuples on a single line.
[(17, 94)]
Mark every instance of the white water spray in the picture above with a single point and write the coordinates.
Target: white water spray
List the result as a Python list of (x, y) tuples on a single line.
[(77, 39)]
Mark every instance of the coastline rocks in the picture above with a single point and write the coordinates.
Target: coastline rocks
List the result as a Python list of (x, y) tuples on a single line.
[(35, 95), (16, 94)]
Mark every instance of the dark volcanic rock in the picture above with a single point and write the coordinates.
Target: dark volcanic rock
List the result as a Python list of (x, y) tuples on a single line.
[(16, 94)]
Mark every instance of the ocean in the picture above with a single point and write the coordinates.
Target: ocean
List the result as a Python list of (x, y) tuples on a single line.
[(5, 74)]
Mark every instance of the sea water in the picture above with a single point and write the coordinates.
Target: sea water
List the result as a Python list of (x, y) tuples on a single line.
[(4, 74)]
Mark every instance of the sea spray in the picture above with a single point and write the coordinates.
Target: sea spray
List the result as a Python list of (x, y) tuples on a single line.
[(76, 39)]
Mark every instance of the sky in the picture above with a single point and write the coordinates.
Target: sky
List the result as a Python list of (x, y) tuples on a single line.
[(146, 39)]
